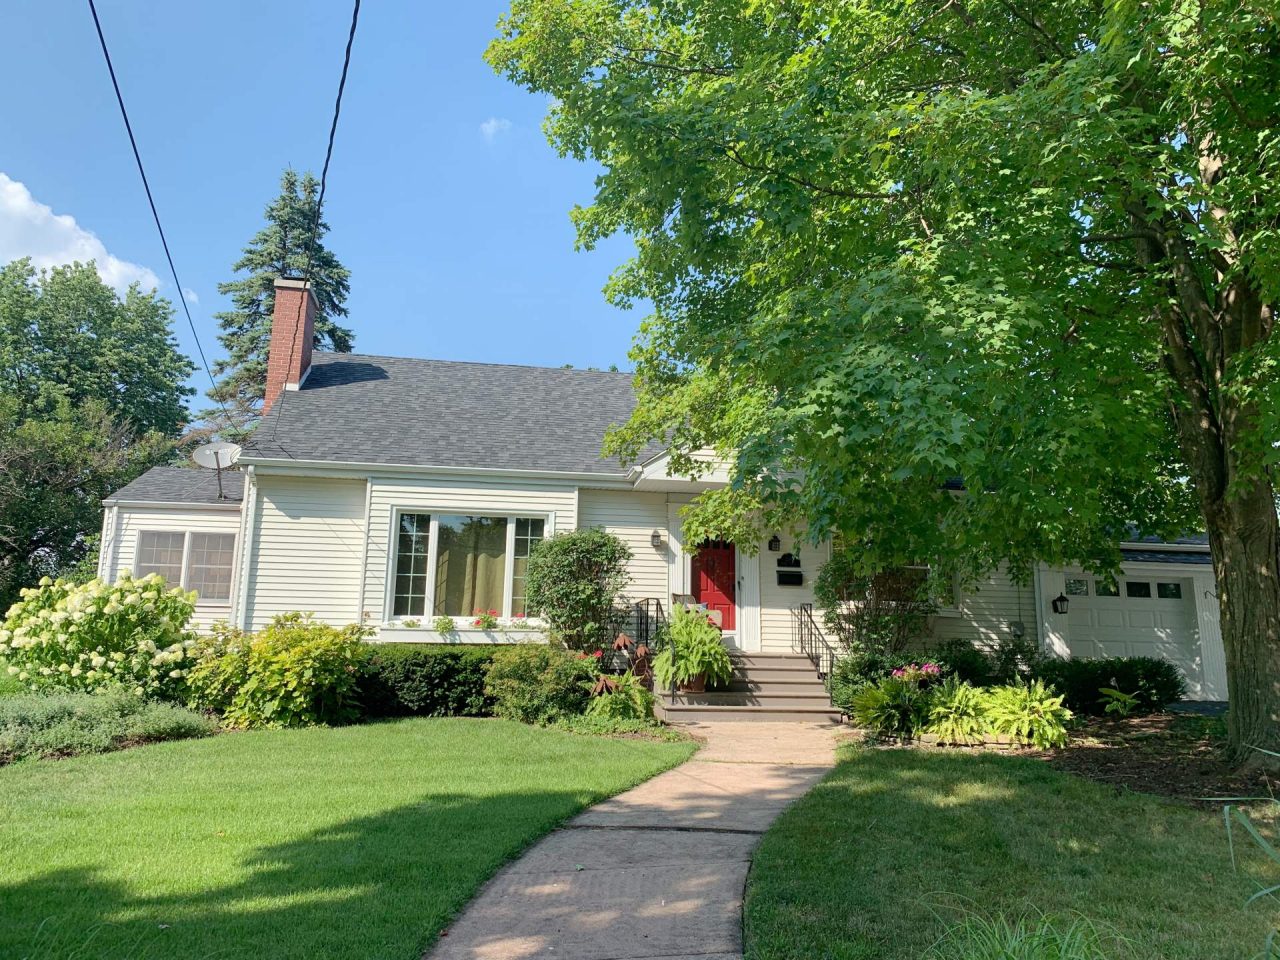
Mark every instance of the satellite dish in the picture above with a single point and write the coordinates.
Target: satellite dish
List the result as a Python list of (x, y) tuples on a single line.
[(215, 456)]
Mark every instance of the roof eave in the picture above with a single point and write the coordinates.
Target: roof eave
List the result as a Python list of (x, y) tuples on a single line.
[(292, 464)]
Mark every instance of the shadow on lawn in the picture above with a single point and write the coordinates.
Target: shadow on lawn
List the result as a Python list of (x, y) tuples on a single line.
[(380, 886)]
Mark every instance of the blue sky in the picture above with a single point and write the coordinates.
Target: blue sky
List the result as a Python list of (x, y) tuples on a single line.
[(444, 200)]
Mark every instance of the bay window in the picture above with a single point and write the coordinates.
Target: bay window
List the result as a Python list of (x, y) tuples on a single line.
[(455, 565)]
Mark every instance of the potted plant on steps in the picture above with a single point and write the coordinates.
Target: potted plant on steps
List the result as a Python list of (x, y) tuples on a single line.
[(694, 655)]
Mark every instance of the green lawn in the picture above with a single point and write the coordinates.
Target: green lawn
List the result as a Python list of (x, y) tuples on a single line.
[(327, 843), (896, 844)]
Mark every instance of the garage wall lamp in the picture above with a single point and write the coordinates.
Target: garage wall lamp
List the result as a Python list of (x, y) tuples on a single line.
[(655, 539), (1060, 603)]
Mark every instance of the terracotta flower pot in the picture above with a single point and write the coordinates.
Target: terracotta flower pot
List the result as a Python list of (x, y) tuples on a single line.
[(696, 685)]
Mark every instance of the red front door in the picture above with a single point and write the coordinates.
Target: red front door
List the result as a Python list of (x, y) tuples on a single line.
[(715, 580)]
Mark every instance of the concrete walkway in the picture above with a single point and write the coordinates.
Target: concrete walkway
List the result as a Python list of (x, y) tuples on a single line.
[(657, 871)]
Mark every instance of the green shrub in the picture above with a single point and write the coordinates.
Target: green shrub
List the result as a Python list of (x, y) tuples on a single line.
[(967, 662), (957, 713), (294, 673), (10, 685), (621, 698), (1029, 714), (538, 683), (1154, 683), (93, 636), (693, 648), (981, 938), (891, 707), (221, 668), (61, 724), (856, 671), (426, 680), (574, 583), (883, 612)]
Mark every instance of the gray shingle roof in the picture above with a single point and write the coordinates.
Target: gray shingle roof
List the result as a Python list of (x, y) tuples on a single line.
[(182, 485), (1165, 556), (389, 410)]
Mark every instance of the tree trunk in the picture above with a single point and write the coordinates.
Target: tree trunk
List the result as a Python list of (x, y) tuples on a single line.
[(1244, 537)]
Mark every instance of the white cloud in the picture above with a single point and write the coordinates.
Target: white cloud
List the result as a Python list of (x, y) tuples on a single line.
[(494, 126), (190, 295), (29, 228)]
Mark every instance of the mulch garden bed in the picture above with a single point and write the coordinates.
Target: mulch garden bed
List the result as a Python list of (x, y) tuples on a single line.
[(1171, 755)]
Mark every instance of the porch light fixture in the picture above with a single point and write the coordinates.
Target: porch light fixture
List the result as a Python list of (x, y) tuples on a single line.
[(775, 543), (655, 539), (1060, 603)]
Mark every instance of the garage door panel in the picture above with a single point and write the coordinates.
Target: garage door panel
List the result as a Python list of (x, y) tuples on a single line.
[(1138, 626), (1108, 618)]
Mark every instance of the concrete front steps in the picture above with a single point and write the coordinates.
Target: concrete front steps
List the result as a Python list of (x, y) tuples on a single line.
[(765, 686)]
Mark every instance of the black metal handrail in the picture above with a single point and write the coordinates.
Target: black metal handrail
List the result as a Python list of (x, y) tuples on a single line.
[(809, 639), (647, 617)]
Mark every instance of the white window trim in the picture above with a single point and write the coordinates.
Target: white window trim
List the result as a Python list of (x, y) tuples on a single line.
[(186, 556), (949, 610), (433, 539)]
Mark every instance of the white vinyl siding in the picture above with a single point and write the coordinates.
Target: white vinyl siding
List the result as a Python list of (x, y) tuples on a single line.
[(985, 612), (307, 540), (125, 524), (554, 503), (777, 622), (632, 517)]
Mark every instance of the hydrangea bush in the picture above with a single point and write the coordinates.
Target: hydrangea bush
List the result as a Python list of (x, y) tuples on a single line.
[(94, 636)]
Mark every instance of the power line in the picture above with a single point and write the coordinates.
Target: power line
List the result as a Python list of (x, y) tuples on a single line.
[(151, 200), (315, 217)]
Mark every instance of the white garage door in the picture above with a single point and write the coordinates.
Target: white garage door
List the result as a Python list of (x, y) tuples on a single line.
[(1136, 617)]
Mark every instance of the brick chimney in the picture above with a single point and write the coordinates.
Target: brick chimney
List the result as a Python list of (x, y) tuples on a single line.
[(292, 330)]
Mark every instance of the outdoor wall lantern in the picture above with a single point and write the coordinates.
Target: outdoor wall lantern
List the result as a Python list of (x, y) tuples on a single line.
[(655, 539), (775, 543), (1060, 603)]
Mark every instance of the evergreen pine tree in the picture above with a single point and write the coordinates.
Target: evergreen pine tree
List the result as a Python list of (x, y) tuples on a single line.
[(279, 249)]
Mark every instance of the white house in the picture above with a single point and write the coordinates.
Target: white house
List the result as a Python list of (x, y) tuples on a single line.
[(394, 491)]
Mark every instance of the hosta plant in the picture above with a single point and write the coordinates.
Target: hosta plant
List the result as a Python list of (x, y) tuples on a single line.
[(957, 713), (1028, 713), (93, 636)]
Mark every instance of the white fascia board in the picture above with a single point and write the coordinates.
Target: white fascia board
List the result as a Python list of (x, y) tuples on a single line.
[(1165, 547), (332, 468), (183, 505)]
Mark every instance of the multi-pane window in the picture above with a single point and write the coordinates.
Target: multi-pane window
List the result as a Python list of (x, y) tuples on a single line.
[(160, 552), (209, 562), (202, 562), (457, 564), (528, 532), (411, 565)]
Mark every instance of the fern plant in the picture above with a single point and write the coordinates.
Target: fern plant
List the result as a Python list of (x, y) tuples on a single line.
[(694, 649), (1029, 714), (957, 713)]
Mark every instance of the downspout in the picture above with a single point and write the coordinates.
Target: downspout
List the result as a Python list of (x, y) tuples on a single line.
[(1041, 625)]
